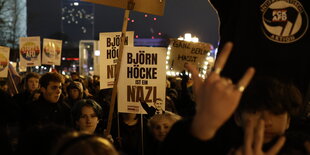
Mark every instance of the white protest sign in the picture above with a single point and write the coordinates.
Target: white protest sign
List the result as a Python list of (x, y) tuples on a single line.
[(143, 75), (182, 52), (109, 43), (29, 51), (4, 61), (51, 54)]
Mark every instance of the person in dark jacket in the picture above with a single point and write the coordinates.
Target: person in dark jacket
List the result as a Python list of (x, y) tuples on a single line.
[(50, 107)]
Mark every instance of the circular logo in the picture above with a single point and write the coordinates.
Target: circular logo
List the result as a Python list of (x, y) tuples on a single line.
[(284, 21), (51, 50), (3, 62), (30, 50)]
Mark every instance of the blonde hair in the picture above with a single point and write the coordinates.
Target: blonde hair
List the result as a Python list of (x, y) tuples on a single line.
[(166, 115)]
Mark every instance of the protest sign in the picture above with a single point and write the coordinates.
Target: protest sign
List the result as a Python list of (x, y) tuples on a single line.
[(4, 61), (29, 51), (182, 52), (109, 43), (51, 54), (155, 7), (143, 77)]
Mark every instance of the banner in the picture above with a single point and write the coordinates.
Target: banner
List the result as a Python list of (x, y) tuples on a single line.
[(143, 75), (184, 51), (29, 51), (4, 61), (51, 54), (155, 7), (109, 43)]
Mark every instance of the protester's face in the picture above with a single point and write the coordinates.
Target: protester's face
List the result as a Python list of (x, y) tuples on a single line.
[(74, 93), (32, 84), (88, 120), (161, 129), (158, 104), (275, 124), (52, 92)]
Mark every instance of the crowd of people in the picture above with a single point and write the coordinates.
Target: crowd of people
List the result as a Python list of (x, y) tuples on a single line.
[(230, 112), (54, 114)]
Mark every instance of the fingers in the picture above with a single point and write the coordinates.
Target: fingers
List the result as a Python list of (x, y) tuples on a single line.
[(221, 60), (259, 136), (277, 147), (248, 137), (245, 80)]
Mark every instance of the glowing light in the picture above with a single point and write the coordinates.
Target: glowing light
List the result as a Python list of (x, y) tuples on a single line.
[(159, 33), (132, 21), (76, 3), (154, 18), (188, 37), (137, 36), (195, 39), (145, 15), (97, 53), (180, 38)]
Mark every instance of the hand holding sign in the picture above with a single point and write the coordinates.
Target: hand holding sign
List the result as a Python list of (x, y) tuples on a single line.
[(216, 97)]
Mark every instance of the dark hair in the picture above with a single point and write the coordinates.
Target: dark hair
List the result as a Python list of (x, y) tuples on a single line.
[(74, 73), (77, 108), (267, 93), (50, 76), (32, 75), (77, 143)]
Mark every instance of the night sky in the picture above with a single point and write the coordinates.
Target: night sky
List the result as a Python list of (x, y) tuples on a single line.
[(181, 16)]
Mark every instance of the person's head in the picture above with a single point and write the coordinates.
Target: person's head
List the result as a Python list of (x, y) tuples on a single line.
[(75, 90), (86, 114), (75, 76), (271, 100), (4, 86), (96, 78), (161, 124), (158, 104), (32, 81), (51, 86), (77, 143)]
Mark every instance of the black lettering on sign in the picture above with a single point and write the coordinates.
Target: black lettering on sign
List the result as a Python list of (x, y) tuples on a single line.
[(112, 53), (142, 58), (199, 51), (135, 93), (181, 44), (187, 58), (116, 41), (111, 71), (142, 72)]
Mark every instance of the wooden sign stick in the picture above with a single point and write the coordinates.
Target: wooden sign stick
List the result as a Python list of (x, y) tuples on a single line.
[(130, 6)]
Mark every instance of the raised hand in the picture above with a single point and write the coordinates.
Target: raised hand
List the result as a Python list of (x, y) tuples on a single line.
[(216, 97), (254, 138)]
